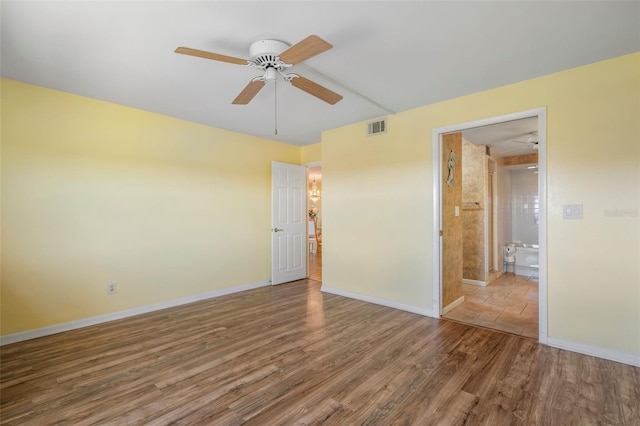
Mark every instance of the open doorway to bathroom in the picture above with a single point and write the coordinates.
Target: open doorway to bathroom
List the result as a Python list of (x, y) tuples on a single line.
[(314, 203), (500, 205)]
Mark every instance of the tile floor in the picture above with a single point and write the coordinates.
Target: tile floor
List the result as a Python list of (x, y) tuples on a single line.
[(508, 304)]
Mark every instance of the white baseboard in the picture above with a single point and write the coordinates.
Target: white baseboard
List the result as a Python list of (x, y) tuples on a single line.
[(85, 322), (452, 305), (378, 301), (474, 282), (609, 354)]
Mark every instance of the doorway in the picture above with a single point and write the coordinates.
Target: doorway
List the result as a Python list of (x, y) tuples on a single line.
[(314, 208), (504, 286)]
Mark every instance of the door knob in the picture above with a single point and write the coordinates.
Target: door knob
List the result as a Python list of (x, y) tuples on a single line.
[(277, 230)]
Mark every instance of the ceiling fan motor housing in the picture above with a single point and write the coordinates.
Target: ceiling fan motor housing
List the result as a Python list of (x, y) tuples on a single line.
[(264, 54)]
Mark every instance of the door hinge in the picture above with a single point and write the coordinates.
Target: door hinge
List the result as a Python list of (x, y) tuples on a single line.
[(441, 233)]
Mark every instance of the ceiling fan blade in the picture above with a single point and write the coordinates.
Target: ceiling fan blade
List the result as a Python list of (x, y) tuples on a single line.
[(249, 92), (316, 90), (305, 49), (209, 55), (530, 143)]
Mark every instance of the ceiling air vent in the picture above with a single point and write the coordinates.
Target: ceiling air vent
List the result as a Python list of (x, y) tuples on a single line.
[(377, 127)]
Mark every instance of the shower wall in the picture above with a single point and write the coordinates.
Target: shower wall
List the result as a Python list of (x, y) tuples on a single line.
[(503, 210), (524, 206)]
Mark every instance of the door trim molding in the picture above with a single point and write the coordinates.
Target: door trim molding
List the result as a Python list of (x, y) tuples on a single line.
[(436, 134)]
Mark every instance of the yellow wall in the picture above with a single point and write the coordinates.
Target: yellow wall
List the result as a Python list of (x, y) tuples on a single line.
[(94, 192), (311, 153), (377, 197)]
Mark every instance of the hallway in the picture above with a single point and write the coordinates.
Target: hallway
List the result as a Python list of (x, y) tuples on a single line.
[(315, 264)]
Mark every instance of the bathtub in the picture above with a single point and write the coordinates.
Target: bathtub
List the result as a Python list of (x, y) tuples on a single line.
[(527, 259)]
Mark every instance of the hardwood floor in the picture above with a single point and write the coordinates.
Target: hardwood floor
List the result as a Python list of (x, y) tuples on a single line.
[(290, 354), (508, 304)]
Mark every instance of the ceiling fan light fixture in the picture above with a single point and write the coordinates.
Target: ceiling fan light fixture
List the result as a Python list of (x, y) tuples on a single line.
[(270, 74)]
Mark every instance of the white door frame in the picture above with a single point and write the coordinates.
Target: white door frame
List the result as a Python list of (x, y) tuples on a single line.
[(541, 114)]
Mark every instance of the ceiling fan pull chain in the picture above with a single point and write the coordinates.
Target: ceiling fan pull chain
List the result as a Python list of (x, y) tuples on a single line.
[(275, 109)]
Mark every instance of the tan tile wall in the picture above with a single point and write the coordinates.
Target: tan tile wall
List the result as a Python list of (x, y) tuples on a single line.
[(473, 215)]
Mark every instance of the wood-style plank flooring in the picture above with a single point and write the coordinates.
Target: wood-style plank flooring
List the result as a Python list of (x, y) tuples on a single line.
[(290, 354), (508, 304)]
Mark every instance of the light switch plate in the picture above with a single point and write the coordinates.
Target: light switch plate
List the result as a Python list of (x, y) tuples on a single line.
[(572, 211)]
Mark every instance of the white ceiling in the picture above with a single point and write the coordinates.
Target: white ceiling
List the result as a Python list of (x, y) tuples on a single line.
[(506, 139), (400, 55)]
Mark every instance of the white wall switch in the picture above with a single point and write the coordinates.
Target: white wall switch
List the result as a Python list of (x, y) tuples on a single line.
[(572, 211), (456, 210)]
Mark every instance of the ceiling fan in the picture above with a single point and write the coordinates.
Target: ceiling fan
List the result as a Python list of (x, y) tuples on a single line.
[(531, 140), (273, 58)]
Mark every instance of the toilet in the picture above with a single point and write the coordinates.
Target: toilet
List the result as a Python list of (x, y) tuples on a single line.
[(510, 258)]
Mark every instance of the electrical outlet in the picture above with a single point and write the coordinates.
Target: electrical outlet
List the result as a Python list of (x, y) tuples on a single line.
[(112, 288)]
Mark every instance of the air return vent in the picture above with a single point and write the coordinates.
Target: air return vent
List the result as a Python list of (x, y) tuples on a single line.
[(377, 127)]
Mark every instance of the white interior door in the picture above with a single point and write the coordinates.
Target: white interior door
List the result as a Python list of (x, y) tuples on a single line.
[(288, 223)]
